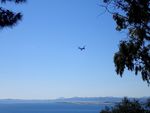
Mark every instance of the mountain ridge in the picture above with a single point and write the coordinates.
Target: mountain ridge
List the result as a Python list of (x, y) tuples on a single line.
[(73, 100)]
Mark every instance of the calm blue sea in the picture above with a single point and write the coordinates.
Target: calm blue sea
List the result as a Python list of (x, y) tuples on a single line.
[(48, 108)]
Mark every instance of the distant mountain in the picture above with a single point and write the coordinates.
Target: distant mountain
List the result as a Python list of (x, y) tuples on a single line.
[(74, 100), (89, 99)]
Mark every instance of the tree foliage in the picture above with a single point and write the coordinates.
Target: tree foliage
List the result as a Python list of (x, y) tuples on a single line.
[(133, 17), (9, 18), (128, 106)]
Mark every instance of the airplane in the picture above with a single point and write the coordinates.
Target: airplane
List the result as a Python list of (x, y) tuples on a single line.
[(81, 48)]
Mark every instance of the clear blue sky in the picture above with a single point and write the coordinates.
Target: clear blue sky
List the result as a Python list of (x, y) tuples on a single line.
[(39, 58)]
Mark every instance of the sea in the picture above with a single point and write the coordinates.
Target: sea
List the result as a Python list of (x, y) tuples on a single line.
[(49, 108)]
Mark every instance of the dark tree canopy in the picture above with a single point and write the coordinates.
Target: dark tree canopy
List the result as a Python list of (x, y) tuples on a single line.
[(128, 106), (9, 18), (133, 17)]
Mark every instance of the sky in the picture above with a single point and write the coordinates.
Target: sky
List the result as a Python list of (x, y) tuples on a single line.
[(40, 59)]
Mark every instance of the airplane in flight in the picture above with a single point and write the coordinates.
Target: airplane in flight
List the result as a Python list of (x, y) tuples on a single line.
[(81, 48)]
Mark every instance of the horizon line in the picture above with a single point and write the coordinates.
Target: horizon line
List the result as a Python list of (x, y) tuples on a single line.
[(72, 97)]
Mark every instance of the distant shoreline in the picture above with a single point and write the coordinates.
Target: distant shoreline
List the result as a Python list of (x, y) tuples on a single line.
[(74, 100)]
